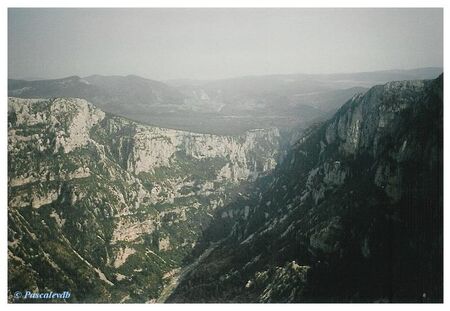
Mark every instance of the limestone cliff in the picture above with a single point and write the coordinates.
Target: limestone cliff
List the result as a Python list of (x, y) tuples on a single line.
[(104, 206)]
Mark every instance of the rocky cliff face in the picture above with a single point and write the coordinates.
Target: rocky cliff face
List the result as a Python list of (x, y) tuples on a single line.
[(354, 212), (106, 207)]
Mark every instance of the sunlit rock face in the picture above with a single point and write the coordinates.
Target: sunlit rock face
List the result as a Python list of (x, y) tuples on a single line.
[(106, 206), (353, 213), (156, 147)]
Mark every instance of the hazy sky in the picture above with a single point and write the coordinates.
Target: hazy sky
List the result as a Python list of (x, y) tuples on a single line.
[(215, 43)]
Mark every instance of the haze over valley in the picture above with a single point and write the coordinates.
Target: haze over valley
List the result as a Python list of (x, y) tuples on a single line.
[(229, 106)]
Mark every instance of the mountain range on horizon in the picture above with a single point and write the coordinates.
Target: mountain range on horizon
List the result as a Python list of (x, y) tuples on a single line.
[(225, 106), (408, 73)]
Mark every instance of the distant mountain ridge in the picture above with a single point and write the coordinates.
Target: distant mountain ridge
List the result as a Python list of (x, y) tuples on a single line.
[(226, 106)]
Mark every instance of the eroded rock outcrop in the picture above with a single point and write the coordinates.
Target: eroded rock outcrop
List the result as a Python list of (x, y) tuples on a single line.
[(109, 200)]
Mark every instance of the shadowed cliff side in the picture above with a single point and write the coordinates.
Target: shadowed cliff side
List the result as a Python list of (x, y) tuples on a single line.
[(354, 212)]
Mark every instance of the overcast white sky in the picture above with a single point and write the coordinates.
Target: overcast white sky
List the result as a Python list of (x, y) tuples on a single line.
[(216, 43)]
